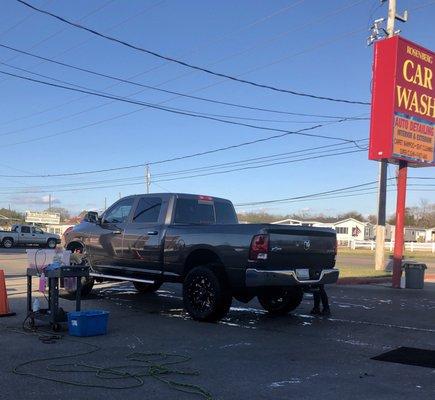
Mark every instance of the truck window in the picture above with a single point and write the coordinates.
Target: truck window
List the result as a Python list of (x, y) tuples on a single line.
[(120, 211), (25, 229), (194, 211), (37, 230), (225, 213), (148, 210)]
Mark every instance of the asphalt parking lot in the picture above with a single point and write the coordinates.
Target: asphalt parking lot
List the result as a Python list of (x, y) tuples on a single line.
[(247, 355)]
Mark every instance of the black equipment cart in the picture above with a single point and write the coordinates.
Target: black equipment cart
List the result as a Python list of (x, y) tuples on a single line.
[(54, 314)]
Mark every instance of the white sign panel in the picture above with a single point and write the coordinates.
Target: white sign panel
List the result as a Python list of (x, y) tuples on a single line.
[(37, 217)]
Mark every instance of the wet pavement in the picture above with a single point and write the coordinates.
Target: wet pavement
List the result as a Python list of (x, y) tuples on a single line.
[(249, 354)]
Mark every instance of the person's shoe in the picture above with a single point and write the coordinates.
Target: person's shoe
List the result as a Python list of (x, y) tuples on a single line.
[(326, 312), (315, 311)]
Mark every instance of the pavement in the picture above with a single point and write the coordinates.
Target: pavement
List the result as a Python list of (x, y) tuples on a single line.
[(247, 355)]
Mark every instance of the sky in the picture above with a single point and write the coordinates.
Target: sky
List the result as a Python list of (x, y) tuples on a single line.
[(315, 47)]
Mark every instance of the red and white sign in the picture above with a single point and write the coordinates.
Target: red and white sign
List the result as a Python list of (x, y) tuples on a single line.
[(403, 103)]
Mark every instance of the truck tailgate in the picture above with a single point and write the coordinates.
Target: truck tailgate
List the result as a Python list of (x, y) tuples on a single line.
[(301, 247)]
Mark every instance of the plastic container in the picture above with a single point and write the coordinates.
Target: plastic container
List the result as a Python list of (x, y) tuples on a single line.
[(40, 258), (414, 275), (88, 323)]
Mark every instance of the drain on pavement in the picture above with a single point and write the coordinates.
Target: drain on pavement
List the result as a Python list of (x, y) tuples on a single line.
[(409, 356)]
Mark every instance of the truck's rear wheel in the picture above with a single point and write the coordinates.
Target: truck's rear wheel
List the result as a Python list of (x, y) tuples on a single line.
[(143, 287), (51, 243), (8, 243), (87, 285), (281, 301), (206, 294)]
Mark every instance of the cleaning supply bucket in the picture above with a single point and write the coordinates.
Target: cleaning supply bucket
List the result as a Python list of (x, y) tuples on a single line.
[(88, 323)]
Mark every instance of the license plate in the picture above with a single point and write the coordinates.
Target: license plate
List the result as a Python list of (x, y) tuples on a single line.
[(303, 273)]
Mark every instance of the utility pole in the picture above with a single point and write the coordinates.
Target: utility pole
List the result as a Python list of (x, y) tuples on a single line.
[(383, 165), (147, 178), (49, 202)]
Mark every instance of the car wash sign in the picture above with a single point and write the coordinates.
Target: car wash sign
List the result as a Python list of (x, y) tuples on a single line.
[(37, 217), (403, 103)]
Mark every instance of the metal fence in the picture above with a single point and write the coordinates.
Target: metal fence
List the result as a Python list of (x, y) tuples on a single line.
[(371, 244)]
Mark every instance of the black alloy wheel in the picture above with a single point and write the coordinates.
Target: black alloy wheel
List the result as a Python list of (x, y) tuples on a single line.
[(206, 294), (280, 301)]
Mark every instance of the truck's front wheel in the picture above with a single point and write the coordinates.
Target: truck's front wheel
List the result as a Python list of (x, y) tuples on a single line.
[(206, 294), (281, 301), (8, 243), (51, 243)]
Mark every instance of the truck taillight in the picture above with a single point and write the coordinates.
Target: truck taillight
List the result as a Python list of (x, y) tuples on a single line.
[(259, 247)]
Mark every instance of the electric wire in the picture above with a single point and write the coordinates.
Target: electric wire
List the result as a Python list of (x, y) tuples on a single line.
[(185, 64), (128, 81), (301, 132), (112, 27), (248, 161), (192, 176), (163, 161)]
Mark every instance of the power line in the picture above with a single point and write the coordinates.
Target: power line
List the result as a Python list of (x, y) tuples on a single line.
[(363, 193), (249, 161), (93, 11), (128, 81), (188, 65), (307, 195), (351, 118), (301, 132), (110, 28), (177, 158), (189, 176), (136, 15)]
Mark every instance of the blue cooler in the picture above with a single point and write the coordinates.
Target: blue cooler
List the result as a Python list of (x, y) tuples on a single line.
[(88, 323)]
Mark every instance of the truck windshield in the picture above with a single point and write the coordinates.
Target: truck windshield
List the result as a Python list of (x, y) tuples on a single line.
[(197, 211)]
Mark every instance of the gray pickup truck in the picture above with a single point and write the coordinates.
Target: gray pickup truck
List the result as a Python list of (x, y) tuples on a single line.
[(28, 235), (197, 241)]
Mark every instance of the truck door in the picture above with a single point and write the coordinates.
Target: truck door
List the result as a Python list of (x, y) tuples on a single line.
[(25, 235), (38, 236), (104, 245), (143, 236)]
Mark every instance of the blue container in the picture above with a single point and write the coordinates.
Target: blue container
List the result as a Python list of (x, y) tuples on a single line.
[(88, 323)]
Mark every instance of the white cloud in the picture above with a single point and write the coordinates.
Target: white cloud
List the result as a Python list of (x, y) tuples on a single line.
[(33, 200)]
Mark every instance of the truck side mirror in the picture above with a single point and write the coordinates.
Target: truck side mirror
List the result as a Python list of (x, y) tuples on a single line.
[(92, 216)]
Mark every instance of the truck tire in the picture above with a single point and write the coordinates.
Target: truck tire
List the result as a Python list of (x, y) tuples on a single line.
[(51, 243), (8, 243), (143, 287), (87, 285), (206, 294), (281, 301)]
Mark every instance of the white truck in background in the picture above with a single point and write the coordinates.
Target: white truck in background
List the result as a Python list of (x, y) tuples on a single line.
[(28, 235)]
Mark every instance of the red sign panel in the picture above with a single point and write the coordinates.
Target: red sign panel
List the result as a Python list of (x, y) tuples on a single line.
[(402, 123)]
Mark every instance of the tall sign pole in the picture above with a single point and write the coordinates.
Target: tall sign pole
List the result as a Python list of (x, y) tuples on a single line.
[(383, 164), (402, 123), (400, 223)]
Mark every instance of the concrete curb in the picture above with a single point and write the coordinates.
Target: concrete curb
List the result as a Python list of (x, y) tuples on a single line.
[(363, 281)]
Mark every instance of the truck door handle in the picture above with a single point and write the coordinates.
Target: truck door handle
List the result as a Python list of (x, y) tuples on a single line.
[(152, 233), (117, 232)]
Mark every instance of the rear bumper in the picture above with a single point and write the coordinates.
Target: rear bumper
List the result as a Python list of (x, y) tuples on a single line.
[(257, 278)]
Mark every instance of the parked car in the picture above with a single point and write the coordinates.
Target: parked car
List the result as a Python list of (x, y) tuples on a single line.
[(197, 241), (27, 235)]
